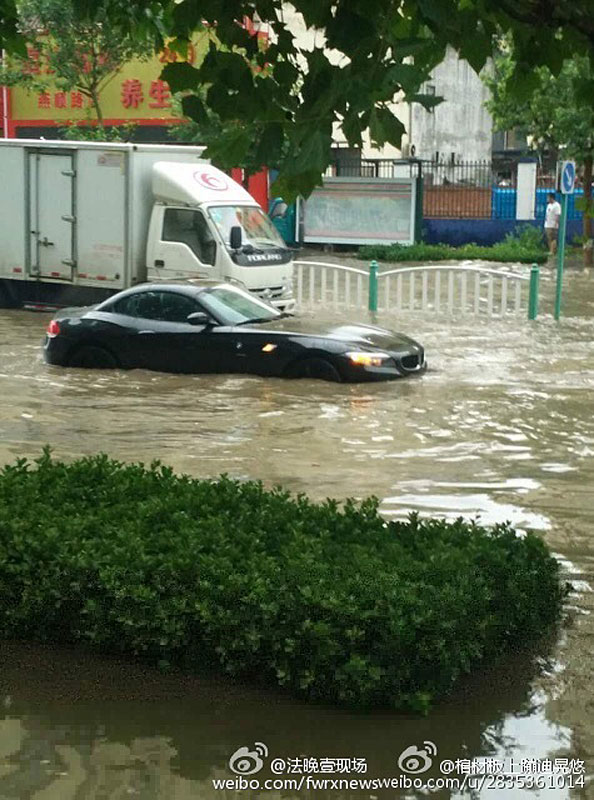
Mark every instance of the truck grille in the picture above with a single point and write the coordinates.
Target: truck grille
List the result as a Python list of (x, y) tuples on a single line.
[(269, 292)]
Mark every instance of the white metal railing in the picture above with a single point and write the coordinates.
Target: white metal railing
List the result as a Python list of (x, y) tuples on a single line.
[(450, 289), (453, 289), (330, 285)]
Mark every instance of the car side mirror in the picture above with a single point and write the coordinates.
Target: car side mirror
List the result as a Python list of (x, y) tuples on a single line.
[(235, 237), (199, 318), (279, 210)]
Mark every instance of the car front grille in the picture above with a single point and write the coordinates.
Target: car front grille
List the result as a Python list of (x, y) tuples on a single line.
[(410, 362), (413, 361)]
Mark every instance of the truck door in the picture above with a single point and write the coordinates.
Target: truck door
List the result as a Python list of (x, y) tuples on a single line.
[(186, 247), (51, 215)]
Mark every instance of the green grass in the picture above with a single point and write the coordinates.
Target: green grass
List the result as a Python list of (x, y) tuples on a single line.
[(327, 600)]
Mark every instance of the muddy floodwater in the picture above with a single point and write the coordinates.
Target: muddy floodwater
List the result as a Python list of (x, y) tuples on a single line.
[(501, 427)]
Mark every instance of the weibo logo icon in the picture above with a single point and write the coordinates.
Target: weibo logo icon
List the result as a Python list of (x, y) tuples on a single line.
[(210, 181)]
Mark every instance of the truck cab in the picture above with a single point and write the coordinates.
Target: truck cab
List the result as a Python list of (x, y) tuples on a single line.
[(205, 225)]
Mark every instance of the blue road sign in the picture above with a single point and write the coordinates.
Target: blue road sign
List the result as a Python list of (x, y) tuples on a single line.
[(567, 177)]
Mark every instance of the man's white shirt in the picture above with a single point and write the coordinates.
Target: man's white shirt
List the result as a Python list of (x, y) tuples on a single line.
[(552, 215)]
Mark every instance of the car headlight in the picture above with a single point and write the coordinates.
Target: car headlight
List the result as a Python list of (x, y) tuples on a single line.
[(363, 359)]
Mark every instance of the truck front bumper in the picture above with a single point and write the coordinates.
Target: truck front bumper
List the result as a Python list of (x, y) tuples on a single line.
[(280, 297)]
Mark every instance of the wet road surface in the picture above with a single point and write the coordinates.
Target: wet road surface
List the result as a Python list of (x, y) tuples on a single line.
[(500, 427)]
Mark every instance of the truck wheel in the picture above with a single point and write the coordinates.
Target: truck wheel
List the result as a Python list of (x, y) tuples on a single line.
[(317, 368), (92, 357), (6, 300)]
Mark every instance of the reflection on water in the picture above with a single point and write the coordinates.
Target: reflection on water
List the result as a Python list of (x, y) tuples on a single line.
[(101, 728), (500, 428)]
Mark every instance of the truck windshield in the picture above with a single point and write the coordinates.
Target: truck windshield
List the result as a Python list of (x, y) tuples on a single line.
[(257, 229)]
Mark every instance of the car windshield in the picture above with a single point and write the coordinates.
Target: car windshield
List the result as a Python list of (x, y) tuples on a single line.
[(234, 307), (256, 228)]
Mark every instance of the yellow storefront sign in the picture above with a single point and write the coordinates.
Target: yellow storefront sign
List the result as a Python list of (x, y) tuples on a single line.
[(134, 93)]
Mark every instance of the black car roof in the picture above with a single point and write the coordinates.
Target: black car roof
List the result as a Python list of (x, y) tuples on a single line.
[(191, 287)]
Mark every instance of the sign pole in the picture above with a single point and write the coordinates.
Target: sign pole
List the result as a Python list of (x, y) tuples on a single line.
[(567, 175), (533, 292), (373, 267), (561, 256)]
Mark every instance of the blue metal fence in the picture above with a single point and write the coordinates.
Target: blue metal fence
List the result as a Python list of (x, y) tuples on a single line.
[(503, 203), (541, 203)]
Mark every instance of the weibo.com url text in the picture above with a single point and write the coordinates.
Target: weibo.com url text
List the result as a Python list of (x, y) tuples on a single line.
[(467, 782)]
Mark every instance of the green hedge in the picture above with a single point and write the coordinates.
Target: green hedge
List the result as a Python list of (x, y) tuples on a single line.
[(328, 600), (502, 252), (525, 245)]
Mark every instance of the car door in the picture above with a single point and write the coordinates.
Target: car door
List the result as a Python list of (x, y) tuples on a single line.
[(181, 346), (187, 248), (160, 337), (148, 339)]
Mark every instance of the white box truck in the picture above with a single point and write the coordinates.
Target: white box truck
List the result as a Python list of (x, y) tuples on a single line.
[(82, 220)]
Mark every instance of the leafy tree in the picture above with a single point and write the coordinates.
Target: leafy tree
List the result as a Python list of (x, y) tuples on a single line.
[(388, 48), (553, 116), (211, 128), (72, 53), (77, 131)]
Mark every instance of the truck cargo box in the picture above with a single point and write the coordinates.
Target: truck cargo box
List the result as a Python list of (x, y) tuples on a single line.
[(75, 214)]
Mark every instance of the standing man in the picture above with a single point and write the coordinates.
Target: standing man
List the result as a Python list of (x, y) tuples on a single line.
[(551, 225)]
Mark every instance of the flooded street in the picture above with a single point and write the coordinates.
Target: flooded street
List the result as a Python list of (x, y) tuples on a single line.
[(501, 427)]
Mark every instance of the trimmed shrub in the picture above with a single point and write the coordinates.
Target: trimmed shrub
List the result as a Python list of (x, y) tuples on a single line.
[(328, 600), (524, 245)]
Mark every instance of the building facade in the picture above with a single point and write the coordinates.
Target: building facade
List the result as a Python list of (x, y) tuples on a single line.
[(458, 129), (135, 95)]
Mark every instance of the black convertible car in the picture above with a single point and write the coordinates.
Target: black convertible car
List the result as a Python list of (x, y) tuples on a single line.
[(197, 327)]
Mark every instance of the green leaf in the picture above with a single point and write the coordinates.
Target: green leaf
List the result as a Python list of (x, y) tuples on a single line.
[(312, 154), (187, 17), (180, 76), (584, 90), (194, 108), (285, 74), (428, 101), (385, 127), (476, 48), (230, 147), (353, 125), (407, 76), (411, 46)]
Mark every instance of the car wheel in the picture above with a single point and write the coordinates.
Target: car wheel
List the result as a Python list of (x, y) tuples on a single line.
[(317, 368), (92, 357)]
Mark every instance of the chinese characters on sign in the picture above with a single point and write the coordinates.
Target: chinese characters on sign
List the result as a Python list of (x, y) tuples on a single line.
[(33, 65), (60, 100), (169, 56), (133, 94)]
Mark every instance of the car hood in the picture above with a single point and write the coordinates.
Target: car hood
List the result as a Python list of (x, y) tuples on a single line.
[(355, 333)]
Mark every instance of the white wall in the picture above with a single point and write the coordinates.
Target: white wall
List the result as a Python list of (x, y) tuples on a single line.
[(461, 124)]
